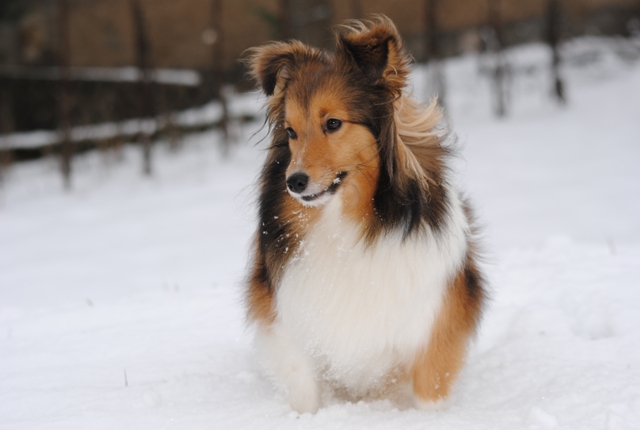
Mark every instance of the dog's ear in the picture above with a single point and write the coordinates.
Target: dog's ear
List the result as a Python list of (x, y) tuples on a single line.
[(271, 65), (375, 49), (266, 64)]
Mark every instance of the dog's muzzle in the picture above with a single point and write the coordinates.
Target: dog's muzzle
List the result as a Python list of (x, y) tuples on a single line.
[(298, 183)]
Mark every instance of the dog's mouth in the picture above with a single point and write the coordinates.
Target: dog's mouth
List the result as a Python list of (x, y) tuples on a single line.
[(330, 190)]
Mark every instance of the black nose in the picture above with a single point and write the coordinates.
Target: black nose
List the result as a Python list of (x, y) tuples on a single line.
[(297, 182)]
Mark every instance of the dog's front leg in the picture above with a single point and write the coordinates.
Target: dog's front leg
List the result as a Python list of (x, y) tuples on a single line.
[(291, 367)]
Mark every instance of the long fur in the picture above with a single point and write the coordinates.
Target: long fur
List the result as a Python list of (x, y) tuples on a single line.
[(367, 277)]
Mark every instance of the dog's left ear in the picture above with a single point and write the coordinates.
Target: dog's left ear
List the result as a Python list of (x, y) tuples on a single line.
[(375, 49)]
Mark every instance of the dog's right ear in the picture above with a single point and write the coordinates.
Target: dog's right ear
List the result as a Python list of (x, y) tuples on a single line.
[(270, 65)]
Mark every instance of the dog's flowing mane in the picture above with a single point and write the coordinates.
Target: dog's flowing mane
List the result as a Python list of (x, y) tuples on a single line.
[(411, 193)]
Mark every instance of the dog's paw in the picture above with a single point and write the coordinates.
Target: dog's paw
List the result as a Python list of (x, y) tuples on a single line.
[(304, 397)]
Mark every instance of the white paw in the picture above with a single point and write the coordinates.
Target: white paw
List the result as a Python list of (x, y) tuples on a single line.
[(291, 368), (304, 397)]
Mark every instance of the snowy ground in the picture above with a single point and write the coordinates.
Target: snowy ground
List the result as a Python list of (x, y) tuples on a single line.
[(120, 303)]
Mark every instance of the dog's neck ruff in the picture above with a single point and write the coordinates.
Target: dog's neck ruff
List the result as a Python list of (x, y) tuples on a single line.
[(357, 307)]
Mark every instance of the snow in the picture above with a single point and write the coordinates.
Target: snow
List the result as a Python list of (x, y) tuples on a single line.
[(121, 301)]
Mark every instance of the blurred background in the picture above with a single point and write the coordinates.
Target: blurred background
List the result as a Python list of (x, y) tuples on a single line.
[(97, 73)]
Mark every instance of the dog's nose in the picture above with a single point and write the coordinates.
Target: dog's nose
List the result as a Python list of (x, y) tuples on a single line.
[(297, 182)]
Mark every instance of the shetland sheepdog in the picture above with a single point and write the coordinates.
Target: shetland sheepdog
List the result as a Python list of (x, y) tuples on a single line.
[(364, 279)]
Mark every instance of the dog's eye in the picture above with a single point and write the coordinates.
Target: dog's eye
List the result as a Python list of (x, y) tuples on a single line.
[(292, 134), (333, 124)]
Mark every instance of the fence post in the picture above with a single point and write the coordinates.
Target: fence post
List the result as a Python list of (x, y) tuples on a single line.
[(145, 94), (217, 69), (64, 93), (356, 9), (435, 74), (554, 23), (500, 70), (6, 125), (286, 23)]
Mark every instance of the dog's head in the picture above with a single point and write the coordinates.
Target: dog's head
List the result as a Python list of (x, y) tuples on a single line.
[(335, 112)]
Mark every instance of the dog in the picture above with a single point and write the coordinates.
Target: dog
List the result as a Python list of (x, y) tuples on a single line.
[(364, 279)]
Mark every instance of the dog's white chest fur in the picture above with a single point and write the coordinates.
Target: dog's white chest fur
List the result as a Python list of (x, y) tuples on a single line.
[(359, 311)]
